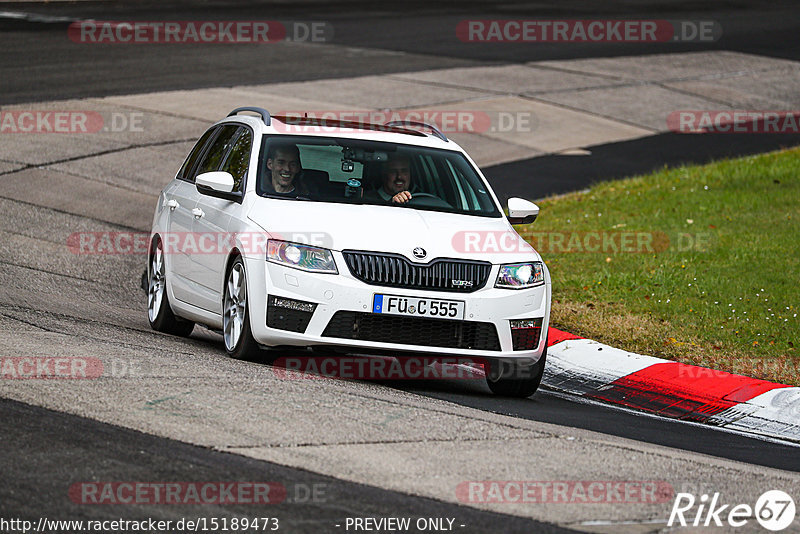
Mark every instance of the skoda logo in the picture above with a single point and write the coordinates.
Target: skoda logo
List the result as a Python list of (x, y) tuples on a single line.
[(419, 253)]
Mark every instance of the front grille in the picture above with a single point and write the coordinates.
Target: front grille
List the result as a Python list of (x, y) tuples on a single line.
[(393, 270), (413, 331)]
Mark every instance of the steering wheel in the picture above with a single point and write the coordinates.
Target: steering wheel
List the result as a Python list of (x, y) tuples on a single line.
[(427, 199)]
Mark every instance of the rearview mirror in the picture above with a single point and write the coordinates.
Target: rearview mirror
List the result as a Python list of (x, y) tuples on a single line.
[(521, 211)]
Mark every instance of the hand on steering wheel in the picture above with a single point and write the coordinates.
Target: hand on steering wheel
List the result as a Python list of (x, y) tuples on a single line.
[(402, 197)]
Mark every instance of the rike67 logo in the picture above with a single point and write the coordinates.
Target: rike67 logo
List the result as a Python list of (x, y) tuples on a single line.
[(774, 510)]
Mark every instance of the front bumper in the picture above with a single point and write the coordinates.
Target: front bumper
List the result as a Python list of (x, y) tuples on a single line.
[(489, 308)]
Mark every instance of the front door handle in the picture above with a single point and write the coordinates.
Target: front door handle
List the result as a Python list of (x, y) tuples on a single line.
[(172, 204), (197, 212)]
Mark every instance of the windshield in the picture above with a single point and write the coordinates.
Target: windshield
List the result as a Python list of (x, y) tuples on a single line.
[(323, 169)]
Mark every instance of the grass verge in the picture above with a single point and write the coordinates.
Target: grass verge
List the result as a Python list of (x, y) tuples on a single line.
[(699, 264)]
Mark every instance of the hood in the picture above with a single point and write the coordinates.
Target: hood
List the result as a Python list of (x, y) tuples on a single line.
[(391, 229)]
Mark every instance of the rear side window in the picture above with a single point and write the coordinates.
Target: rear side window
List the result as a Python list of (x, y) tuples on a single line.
[(216, 153), (194, 155), (239, 158)]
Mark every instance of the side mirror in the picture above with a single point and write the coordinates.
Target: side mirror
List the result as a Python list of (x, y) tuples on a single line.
[(521, 211), (217, 184), (219, 181)]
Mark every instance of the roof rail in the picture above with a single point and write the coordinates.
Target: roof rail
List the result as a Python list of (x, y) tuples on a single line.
[(334, 123), (433, 129), (261, 111)]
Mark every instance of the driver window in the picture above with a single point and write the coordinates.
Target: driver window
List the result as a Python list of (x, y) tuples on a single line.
[(218, 149), (238, 159), (194, 155)]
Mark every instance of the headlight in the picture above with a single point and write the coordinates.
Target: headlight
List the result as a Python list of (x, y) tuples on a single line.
[(520, 275), (303, 257)]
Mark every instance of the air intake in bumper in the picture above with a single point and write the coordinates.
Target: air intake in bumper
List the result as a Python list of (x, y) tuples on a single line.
[(413, 331), (289, 314)]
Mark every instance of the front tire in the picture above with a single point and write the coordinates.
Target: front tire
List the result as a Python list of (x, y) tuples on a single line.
[(239, 342), (159, 312), (508, 379)]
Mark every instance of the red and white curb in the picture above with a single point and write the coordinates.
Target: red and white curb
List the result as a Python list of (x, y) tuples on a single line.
[(670, 389)]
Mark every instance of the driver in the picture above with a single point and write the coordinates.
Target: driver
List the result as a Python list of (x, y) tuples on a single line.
[(396, 180), (283, 162)]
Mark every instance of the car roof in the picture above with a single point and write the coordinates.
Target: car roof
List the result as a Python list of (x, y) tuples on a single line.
[(406, 133)]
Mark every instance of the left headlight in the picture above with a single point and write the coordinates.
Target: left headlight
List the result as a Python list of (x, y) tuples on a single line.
[(520, 275), (303, 257)]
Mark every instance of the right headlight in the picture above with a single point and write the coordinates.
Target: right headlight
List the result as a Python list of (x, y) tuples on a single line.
[(303, 257), (520, 275)]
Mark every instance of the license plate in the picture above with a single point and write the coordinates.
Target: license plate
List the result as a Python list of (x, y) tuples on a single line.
[(418, 307)]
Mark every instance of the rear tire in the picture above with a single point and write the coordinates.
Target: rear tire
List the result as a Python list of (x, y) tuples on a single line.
[(508, 379), (239, 342), (159, 312)]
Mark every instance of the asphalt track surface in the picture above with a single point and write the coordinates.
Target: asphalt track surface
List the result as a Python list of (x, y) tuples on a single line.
[(550, 407), (44, 451), (40, 63), (118, 453)]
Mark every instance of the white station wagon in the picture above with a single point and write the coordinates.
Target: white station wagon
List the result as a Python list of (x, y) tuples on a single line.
[(356, 237)]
